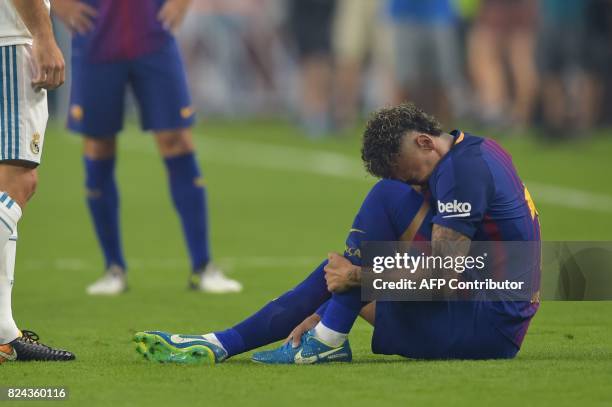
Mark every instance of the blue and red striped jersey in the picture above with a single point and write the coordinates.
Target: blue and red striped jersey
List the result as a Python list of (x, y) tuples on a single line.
[(123, 30), (476, 190)]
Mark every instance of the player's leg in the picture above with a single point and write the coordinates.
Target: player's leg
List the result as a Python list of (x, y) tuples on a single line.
[(17, 185), (315, 66), (103, 203), (440, 330), (271, 323), (368, 313), (388, 211), (23, 119), (160, 86), (521, 44), (407, 47), (188, 193), (445, 46), (339, 317), (485, 61), (353, 27), (278, 318), (96, 113), (391, 211)]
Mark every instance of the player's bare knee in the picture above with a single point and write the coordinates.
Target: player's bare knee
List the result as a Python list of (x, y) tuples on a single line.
[(25, 186), (175, 143), (19, 182), (30, 182)]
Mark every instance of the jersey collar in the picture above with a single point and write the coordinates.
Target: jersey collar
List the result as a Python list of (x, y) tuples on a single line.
[(458, 135)]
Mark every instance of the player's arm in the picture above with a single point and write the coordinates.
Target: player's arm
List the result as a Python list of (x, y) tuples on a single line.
[(48, 59), (448, 242), (173, 13), (342, 275), (390, 209), (463, 190), (77, 16)]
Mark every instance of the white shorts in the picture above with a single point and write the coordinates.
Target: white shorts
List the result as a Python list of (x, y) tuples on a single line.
[(23, 110)]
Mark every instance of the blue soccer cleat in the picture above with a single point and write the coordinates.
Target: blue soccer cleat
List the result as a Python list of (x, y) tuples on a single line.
[(164, 347), (310, 351)]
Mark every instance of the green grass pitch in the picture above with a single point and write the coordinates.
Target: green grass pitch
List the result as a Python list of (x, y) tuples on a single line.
[(278, 203)]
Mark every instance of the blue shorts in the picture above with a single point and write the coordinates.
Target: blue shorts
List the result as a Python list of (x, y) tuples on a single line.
[(439, 330), (157, 80)]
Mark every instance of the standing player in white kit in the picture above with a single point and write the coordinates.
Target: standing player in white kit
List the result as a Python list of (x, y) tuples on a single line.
[(30, 63)]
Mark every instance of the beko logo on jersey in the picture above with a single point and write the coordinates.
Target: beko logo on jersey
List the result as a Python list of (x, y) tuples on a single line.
[(455, 209)]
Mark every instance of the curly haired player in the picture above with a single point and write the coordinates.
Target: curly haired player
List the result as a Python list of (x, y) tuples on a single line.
[(404, 146)]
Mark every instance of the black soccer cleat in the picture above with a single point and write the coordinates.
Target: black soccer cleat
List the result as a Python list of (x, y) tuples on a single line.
[(28, 348)]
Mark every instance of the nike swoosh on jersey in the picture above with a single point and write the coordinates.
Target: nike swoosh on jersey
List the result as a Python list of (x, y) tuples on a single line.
[(356, 230)]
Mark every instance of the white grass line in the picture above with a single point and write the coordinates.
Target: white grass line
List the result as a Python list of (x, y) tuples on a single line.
[(250, 154), (338, 165), (569, 197), (240, 153), (283, 158), (77, 264)]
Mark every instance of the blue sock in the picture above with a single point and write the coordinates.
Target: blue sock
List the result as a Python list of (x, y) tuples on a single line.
[(277, 319), (103, 201), (189, 197), (321, 310), (342, 310)]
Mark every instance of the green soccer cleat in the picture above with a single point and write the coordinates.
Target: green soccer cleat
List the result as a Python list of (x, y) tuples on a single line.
[(164, 347)]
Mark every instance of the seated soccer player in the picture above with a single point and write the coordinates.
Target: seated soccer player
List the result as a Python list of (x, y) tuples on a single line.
[(405, 144), (476, 194)]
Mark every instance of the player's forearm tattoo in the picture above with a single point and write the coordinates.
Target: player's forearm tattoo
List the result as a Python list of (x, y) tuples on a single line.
[(447, 242), (354, 276)]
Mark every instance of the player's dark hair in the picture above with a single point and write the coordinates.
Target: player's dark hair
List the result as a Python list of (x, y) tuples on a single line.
[(384, 132)]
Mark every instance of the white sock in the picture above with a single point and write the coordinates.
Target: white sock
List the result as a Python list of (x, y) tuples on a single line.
[(213, 339), (10, 213), (329, 336)]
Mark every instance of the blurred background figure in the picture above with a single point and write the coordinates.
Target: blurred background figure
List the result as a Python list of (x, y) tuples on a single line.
[(362, 46), (232, 50), (598, 60), (503, 39), (327, 63), (310, 26), (427, 59), (568, 92)]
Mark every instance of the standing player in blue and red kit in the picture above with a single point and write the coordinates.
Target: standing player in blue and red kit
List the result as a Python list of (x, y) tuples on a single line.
[(118, 43)]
